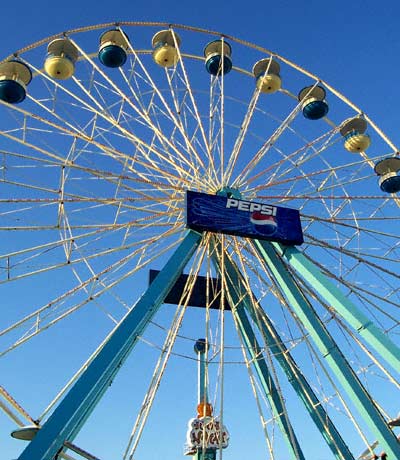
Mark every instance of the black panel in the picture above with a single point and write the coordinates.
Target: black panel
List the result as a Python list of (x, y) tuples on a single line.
[(198, 294)]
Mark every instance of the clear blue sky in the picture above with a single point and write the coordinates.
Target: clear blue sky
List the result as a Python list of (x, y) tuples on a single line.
[(353, 45)]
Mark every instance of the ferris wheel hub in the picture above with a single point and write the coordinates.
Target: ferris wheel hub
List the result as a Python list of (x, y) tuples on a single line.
[(229, 192)]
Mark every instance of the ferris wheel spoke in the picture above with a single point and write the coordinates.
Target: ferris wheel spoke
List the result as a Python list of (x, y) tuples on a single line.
[(150, 166), (185, 114), (369, 299), (290, 367), (369, 290), (268, 144), (143, 204), (216, 134), (264, 423), (241, 136), (213, 128), (166, 106), (142, 114), (194, 105), (311, 149), (346, 240), (274, 168), (338, 392), (358, 258), (348, 222), (69, 259), (162, 361), (48, 315), (101, 113), (332, 395), (137, 252), (274, 394), (276, 401), (14, 410), (175, 137), (222, 118)]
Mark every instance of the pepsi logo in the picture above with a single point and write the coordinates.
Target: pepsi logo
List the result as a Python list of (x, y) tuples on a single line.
[(264, 224)]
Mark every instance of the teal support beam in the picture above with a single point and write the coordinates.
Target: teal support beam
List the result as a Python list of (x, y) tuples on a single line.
[(79, 402), (267, 380), (342, 305), (295, 377), (330, 350), (265, 377)]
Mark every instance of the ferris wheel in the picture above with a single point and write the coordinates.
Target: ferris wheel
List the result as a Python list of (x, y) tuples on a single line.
[(164, 188)]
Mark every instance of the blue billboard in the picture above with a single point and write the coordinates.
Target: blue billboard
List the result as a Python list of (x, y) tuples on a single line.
[(233, 216)]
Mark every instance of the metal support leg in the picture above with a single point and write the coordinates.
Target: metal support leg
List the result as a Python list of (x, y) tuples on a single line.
[(289, 366), (259, 363), (74, 409), (267, 381), (363, 325), (330, 351)]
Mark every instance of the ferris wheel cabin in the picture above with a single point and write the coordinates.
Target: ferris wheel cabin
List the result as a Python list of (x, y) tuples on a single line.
[(61, 58), (388, 171), (113, 48), (14, 78), (164, 44), (313, 102), (355, 138), (218, 57), (267, 76)]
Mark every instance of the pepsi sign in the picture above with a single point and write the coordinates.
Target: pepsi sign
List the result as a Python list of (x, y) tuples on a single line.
[(234, 216)]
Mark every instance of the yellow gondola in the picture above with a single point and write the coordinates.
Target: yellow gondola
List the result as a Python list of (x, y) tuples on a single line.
[(164, 45), (61, 58), (267, 75)]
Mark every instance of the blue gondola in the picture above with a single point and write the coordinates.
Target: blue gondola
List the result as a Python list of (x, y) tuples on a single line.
[(388, 171), (113, 48), (313, 102), (14, 77), (218, 57)]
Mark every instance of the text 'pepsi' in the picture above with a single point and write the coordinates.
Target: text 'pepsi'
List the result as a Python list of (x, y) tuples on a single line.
[(248, 206)]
